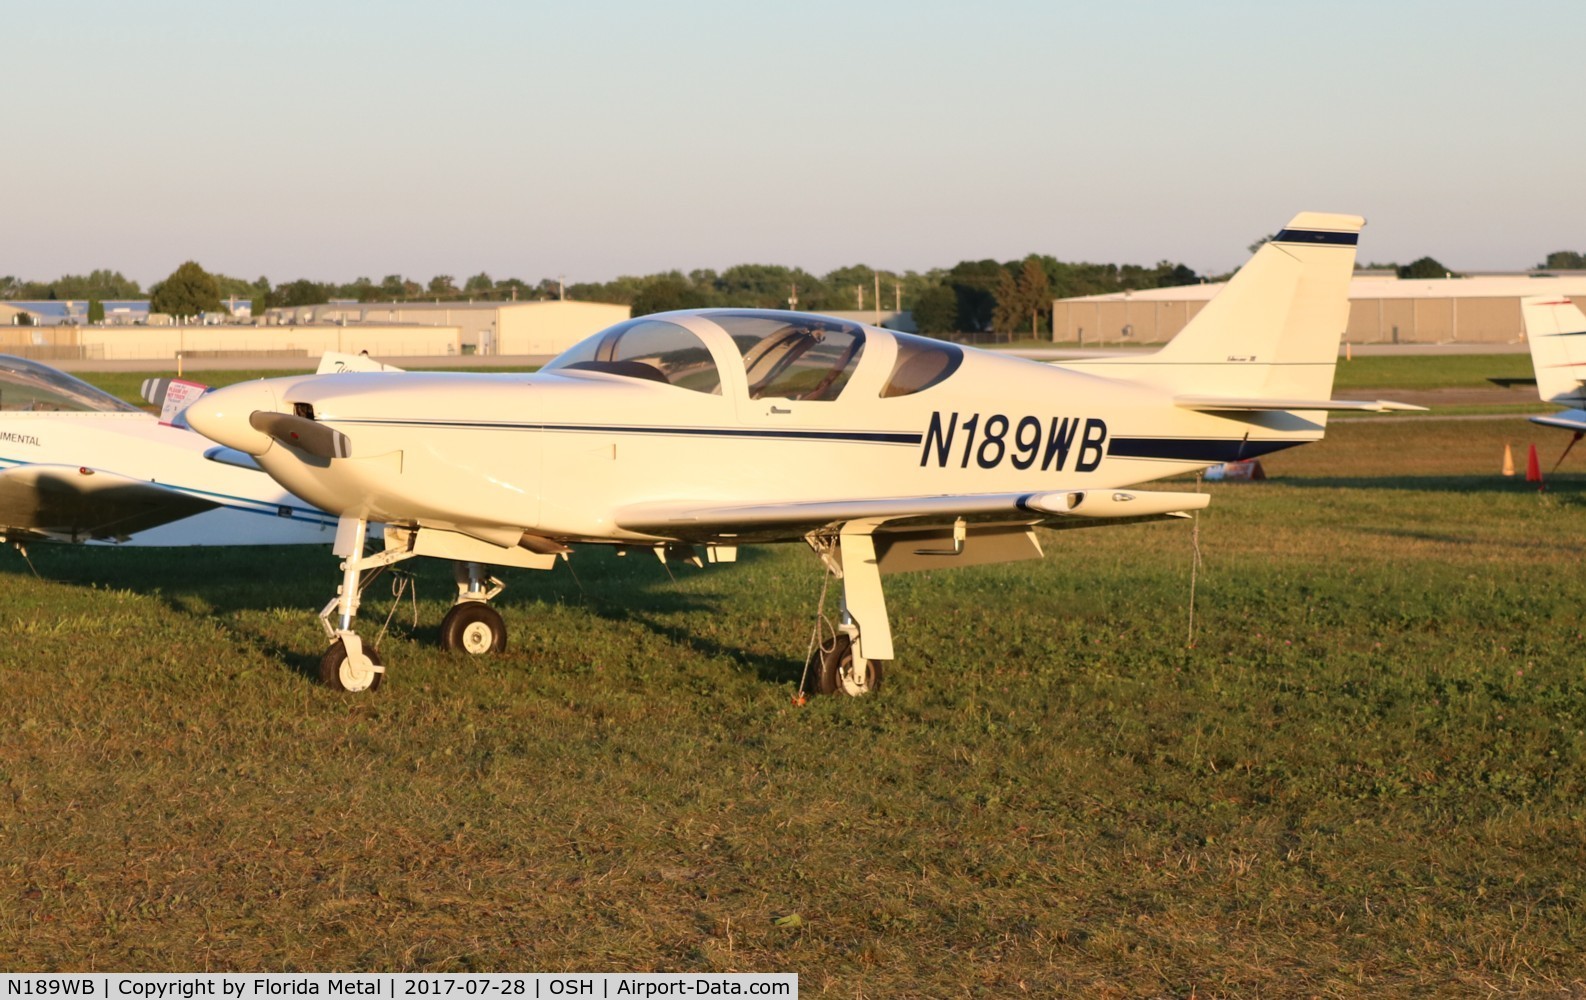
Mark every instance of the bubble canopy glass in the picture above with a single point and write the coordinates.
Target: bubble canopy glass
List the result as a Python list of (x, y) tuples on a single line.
[(27, 385)]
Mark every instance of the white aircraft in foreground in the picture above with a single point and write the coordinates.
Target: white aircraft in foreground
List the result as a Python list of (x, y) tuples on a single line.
[(79, 465), (719, 428), (1555, 329)]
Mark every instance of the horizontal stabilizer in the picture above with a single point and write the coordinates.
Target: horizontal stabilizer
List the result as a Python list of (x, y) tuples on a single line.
[(1257, 403), (1570, 420)]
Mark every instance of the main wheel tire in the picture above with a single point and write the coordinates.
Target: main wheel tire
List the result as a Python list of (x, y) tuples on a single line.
[(838, 671), (339, 674), (475, 628)]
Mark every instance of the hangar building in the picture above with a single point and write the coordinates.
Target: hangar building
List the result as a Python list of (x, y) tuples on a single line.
[(513, 328), (1382, 310)]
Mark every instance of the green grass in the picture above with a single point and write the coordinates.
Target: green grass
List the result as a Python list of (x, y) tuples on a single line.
[(1435, 371), (1366, 775)]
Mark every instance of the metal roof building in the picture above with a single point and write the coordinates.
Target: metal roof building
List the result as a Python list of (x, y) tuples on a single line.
[(1382, 310), (515, 328), (55, 312)]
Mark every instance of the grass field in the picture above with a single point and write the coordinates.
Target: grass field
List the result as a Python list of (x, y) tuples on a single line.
[(1366, 775)]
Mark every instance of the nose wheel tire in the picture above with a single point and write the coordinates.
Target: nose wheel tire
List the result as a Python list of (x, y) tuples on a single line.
[(475, 628), (340, 672), (841, 672)]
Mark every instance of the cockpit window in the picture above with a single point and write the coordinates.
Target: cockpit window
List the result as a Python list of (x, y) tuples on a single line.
[(648, 349), (922, 363), (793, 356), (28, 385)]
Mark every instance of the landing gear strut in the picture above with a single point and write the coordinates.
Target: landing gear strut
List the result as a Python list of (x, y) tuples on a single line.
[(347, 665), (852, 665), (472, 625)]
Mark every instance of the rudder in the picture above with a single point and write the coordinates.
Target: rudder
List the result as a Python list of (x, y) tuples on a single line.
[(1555, 330), (1274, 330)]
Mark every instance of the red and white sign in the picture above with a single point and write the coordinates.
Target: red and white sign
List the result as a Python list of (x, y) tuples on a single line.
[(179, 397)]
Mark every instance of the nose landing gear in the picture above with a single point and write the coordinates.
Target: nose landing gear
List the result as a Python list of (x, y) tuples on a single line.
[(471, 626)]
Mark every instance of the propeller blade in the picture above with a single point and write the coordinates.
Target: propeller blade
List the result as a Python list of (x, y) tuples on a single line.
[(302, 433)]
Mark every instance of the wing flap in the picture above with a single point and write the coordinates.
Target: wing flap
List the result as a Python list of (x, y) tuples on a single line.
[(694, 520)]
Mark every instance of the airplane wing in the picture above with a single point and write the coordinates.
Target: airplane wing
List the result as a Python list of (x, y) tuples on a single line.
[(1258, 403), (699, 521), (68, 503)]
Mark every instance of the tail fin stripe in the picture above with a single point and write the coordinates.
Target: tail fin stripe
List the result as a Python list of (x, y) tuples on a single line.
[(1317, 236)]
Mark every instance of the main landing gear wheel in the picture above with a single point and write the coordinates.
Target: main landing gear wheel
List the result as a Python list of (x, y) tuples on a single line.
[(475, 628), (838, 670), (340, 672)]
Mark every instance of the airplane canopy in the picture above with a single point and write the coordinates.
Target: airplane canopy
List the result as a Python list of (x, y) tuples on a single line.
[(29, 385), (785, 355)]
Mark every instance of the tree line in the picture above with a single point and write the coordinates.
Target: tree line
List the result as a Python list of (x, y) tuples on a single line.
[(1008, 297)]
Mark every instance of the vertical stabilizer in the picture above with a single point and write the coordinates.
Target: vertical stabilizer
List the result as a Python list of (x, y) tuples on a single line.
[(1556, 331), (1273, 331)]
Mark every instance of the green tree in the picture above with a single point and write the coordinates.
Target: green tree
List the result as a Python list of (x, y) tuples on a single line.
[(259, 297), (936, 310), (1426, 267), (97, 284), (515, 289), (1035, 292), (96, 311), (359, 289), (1563, 260), (1009, 310), (442, 285), (975, 283), (667, 292), (301, 292), (229, 286), (189, 290), (480, 285), (393, 287)]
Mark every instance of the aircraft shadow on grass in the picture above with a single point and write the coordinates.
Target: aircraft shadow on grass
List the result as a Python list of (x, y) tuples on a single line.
[(218, 583), (1568, 489)]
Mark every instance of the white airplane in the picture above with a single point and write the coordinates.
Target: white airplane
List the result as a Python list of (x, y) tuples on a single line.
[(718, 428), (1556, 332), (79, 465)]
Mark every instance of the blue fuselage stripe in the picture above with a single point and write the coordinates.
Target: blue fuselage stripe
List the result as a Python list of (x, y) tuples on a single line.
[(863, 437)]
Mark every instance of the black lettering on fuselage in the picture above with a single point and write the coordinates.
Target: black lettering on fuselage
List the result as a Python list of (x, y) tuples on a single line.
[(1059, 438), (1090, 452), (1019, 441), (940, 437)]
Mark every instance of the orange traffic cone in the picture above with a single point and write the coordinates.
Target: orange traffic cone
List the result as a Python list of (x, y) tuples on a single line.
[(1533, 468), (1508, 460), (1349, 351)]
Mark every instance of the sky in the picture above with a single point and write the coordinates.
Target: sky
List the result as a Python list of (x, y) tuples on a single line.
[(333, 140)]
